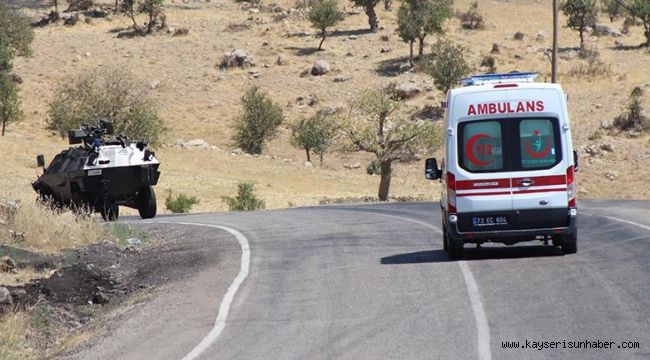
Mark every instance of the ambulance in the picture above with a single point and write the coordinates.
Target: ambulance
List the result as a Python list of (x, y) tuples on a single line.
[(508, 171)]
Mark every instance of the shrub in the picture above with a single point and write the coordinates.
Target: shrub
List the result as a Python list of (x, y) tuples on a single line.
[(519, 36), (448, 65), (591, 66), (632, 118), (15, 32), (495, 48), (489, 63), (314, 134), (258, 122), (472, 19), (180, 203), (105, 94), (374, 167), (245, 199), (324, 14)]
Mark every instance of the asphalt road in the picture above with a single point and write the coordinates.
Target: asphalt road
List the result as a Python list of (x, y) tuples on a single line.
[(372, 282)]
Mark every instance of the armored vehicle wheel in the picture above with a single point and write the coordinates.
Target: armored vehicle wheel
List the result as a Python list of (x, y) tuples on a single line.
[(110, 212), (147, 203)]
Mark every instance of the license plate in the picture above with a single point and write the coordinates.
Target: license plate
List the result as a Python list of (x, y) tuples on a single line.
[(496, 220), (94, 172)]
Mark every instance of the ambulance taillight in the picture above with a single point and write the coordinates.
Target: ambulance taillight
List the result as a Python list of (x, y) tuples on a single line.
[(451, 192), (571, 186)]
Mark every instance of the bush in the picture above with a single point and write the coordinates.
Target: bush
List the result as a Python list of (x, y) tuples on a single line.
[(15, 32), (591, 66), (259, 121), (632, 117), (472, 19), (105, 94), (374, 168), (245, 199), (448, 66), (314, 134), (180, 203), (489, 63), (519, 36)]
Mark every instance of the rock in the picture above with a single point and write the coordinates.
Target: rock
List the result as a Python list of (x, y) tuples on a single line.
[(568, 55), (71, 20), (308, 164), (134, 241), (606, 124), (605, 30), (320, 67), (254, 73), (5, 297), (352, 37), (352, 166), (100, 297), (80, 5), (281, 60), (407, 90), (342, 78), (541, 35), (254, 11), (385, 50), (607, 147), (193, 144), (237, 151), (153, 84), (7, 265), (385, 38), (237, 58), (611, 176), (618, 44)]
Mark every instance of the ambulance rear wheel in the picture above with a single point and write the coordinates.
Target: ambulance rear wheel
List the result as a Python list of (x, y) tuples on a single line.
[(570, 244), (147, 202), (455, 248)]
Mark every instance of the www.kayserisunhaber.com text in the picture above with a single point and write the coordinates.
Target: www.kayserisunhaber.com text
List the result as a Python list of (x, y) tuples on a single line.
[(566, 344)]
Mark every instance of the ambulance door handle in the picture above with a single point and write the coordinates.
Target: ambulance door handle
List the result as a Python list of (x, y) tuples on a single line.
[(526, 182)]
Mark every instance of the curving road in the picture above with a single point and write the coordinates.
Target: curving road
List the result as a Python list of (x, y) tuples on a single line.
[(372, 282)]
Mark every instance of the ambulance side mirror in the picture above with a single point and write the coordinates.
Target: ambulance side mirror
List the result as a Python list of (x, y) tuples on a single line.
[(40, 161), (431, 171), (576, 161)]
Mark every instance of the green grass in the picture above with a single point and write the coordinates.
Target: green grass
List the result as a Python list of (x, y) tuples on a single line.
[(123, 232)]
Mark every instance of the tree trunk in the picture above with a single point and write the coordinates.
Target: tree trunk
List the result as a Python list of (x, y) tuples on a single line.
[(387, 4), (647, 36), (117, 9), (421, 48), (384, 183), (4, 122), (372, 17), (308, 157), (321, 158), (56, 6), (321, 41), (151, 22), (582, 39), (411, 52)]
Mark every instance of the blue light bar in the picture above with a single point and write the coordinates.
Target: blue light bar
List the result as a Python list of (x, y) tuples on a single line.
[(514, 76)]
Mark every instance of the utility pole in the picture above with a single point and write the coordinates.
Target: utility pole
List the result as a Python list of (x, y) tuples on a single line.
[(554, 52)]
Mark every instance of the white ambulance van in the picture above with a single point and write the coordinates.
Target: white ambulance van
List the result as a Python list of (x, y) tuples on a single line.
[(508, 171)]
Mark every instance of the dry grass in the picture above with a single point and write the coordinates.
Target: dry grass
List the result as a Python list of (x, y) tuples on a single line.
[(13, 331), (21, 276)]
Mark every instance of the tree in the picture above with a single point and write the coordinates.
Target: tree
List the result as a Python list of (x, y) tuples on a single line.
[(153, 8), (323, 14), (258, 122), (612, 8), (418, 18), (9, 101), (314, 133), (110, 94), (580, 14), (15, 32), (448, 65), (369, 8), (377, 127), (637, 9)]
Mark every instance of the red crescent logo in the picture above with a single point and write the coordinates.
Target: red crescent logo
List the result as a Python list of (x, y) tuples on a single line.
[(469, 150), (538, 155)]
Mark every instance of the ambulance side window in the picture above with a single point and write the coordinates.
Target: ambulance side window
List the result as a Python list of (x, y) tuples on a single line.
[(539, 147), (481, 146)]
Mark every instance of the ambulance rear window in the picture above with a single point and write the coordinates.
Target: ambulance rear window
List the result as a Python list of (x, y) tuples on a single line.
[(537, 143), (482, 148)]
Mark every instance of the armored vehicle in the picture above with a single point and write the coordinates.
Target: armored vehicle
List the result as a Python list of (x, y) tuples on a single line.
[(101, 174)]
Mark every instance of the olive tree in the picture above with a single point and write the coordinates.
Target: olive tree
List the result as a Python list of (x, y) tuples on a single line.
[(580, 14), (15, 32), (314, 133), (110, 94), (376, 126), (447, 64), (369, 7), (324, 14), (258, 122), (418, 18), (9, 101), (634, 9), (152, 8)]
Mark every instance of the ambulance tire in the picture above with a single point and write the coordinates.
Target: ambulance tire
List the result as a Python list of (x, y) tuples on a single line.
[(445, 239), (455, 248), (570, 244)]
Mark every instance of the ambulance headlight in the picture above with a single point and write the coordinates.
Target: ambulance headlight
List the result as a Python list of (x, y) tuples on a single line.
[(453, 218)]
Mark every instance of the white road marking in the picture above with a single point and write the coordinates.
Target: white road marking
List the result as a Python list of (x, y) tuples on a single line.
[(625, 221), (482, 327), (224, 307)]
